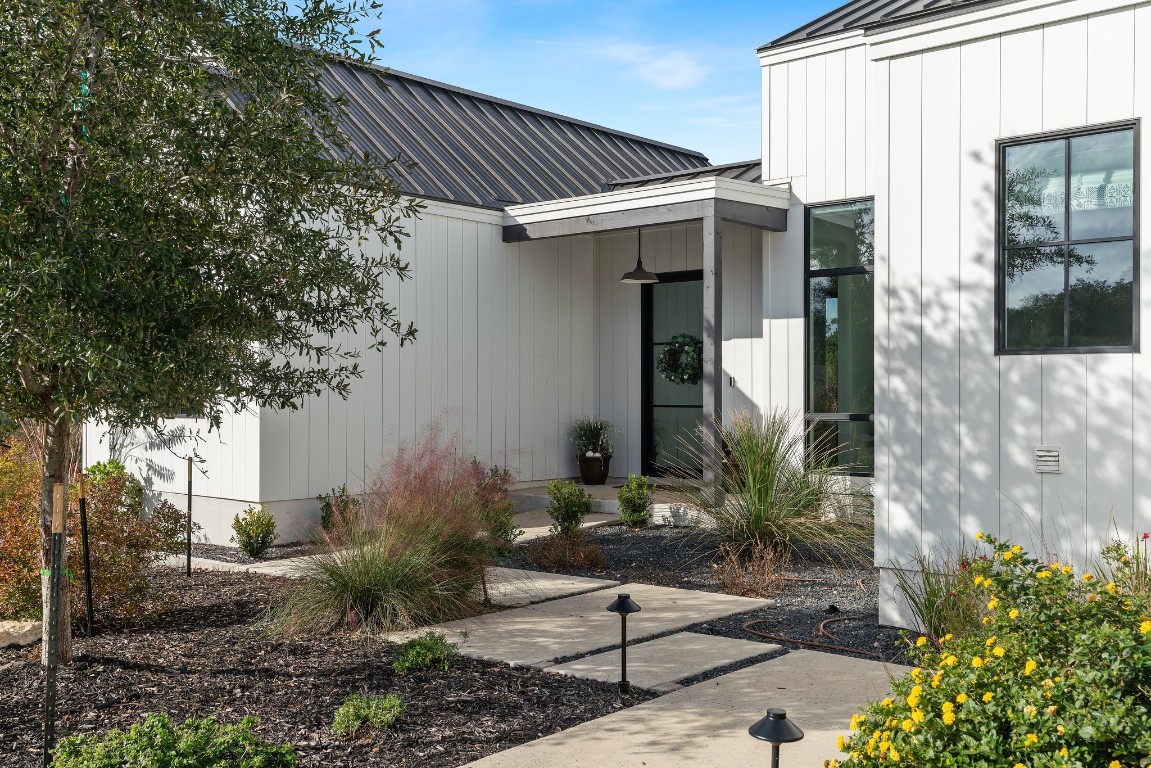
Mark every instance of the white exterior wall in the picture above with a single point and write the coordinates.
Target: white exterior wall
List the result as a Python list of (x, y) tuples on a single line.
[(956, 425), (672, 248)]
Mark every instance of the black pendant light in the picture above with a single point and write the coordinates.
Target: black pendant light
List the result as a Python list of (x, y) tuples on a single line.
[(639, 275)]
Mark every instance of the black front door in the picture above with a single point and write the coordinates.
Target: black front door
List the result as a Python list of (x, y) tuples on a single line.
[(671, 411)]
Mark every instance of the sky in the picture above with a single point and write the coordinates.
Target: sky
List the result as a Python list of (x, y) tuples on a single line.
[(679, 71)]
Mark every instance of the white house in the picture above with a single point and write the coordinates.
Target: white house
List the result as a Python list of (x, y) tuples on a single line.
[(938, 258)]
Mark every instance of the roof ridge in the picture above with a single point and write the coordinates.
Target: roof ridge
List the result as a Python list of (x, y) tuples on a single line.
[(389, 72), (689, 171)]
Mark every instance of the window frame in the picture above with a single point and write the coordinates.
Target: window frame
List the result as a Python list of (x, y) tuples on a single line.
[(1001, 147), (810, 418)]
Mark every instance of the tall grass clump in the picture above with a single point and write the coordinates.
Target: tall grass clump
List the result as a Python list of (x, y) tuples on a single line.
[(428, 524), (783, 488), (941, 595)]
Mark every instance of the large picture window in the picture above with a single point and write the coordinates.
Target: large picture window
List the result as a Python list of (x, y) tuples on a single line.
[(840, 323), (1068, 273)]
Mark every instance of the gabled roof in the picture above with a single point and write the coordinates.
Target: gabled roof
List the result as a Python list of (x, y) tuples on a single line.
[(749, 170), (865, 14), (479, 150)]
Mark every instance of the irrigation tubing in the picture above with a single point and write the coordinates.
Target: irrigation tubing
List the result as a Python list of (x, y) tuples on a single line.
[(822, 631)]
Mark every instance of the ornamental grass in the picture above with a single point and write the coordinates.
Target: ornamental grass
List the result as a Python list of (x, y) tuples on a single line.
[(413, 553), (1059, 674)]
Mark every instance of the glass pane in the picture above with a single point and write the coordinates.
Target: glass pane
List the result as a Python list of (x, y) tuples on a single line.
[(842, 235), (851, 442), (1102, 185), (1101, 294), (841, 344), (1034, 298), (1036, 193), (675, 439)]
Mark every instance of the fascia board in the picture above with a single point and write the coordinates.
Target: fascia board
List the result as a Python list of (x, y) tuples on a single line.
[(983, 23), (463, 212), (647, 197), (808, 48)]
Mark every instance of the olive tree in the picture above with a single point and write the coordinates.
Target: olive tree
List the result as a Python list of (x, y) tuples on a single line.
[(182, 220)]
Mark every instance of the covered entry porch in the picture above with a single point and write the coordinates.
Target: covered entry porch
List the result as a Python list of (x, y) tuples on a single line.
[(702, 235)]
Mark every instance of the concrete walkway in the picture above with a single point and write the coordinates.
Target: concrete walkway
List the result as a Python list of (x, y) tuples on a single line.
[(705, 725), (536, 524)]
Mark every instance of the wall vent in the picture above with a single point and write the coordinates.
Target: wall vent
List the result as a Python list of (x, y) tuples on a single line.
[(1048, 459)]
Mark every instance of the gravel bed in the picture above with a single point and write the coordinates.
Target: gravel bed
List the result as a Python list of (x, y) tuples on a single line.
[(681, 557), (204, 657), (236, 555)]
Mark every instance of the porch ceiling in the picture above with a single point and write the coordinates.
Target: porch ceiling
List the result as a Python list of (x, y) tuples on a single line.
[(756, 205)]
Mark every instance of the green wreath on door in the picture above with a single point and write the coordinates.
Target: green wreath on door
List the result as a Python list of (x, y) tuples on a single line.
[(681, 360)]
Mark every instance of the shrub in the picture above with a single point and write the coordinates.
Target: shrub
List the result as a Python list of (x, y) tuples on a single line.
[(170, 524), (122, 544), (497, 506), (941, 598), (255, 531), (336, 506), (1059, 674), (568, 503), (158, 742), (358, 711), (779, 491), (749, 570), (428, 650), (415, 555), (566, 550), (635, 499), (592, 436)]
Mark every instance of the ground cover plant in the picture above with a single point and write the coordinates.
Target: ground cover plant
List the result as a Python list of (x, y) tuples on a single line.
[(255, 531), (1058, 675), (359, 710), (635, 499), (157, 741), (430, 649), (429, 523)]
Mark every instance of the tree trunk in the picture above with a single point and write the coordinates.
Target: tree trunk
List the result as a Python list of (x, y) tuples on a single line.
[(56, 437)]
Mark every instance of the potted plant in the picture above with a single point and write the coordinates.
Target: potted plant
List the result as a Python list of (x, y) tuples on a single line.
[(593, 448)]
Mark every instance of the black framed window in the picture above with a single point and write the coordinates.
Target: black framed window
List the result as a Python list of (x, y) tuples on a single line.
[(840, 330), (1068, 272)]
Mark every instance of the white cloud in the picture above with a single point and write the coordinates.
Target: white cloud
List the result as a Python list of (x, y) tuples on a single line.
[(667, 70)]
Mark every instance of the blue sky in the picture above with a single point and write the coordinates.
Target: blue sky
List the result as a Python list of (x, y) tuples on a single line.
[(677, 71)]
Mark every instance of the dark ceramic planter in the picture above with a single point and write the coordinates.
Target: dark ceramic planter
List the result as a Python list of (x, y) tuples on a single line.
[(593, 469)]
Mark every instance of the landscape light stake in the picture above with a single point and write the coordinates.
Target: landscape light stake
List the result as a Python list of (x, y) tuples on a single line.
[(188, 527), (53, 639), (775, 729), (623, 605)]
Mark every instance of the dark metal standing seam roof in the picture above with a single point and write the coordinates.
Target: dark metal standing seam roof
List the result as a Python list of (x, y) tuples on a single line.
[(478, 150), (749, 170), (861, 14)]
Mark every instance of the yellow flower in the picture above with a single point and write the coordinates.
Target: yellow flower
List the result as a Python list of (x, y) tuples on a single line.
[(1048, 683), (893, 755), (887, 702), (961, 698), (946, 637), (987, 697), (856, 719), (917, 674), (978, 581), (1093, 598), (977, 662), (1030, 710), (936, 679), (1088, 577), (922, 641), (1013, 614), (979, 536), (1019, 765), (1029, 667), (948, 718), (949, 660), (1060, 729), (1145, 627), (1007, 556), (917, 715), (999, 651), (840, 744), (1114, 764), (1054, 567), (986, 619), (1043, 574), (1067, 570), (990, 641), (1111, 588), (993, 603), (907, 725), (948, 706), (830, 764), (1063, 751), (1031, 740), (1017, 549)]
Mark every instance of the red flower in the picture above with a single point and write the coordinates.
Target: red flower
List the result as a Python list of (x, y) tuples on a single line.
[(1146, 536)]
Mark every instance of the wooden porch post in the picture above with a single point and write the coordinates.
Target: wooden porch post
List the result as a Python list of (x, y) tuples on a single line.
[(712, 339)]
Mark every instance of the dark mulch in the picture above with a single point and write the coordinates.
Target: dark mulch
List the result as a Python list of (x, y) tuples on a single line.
[(236, 555), (203, 657), (681, 557)]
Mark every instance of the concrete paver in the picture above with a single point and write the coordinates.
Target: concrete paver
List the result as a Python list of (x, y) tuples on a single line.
[(705, 725), (581, 624), (659, 664), (513, 587)]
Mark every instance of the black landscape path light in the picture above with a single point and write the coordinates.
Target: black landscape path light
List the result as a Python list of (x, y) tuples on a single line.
[(776, 729), (623, 605)]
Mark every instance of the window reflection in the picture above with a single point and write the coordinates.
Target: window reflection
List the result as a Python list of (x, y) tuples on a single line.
[(842, 236), (1102, 185), (841, 344), (1101, 286), (1035, 300), (1036, 190)]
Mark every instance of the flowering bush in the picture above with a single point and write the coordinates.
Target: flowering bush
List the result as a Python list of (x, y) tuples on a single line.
[(1059, 676)]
